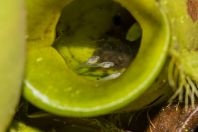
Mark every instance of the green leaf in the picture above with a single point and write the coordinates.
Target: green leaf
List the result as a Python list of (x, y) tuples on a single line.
[(56, 124), (21, 127), (12, 38), (134, 32)]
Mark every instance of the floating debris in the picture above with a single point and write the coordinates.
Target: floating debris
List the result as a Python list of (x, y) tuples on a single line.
[(106, 64), (93, 60)]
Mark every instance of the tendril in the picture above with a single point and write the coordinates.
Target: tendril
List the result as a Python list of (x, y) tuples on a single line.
[(186, 89)]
